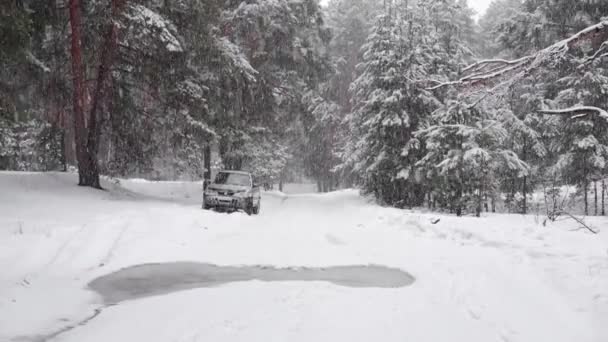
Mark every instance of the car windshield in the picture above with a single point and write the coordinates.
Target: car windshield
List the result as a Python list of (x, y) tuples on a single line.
[(232, 179)]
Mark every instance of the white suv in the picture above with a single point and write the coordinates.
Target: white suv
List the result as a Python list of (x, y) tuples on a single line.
[(231, 191)]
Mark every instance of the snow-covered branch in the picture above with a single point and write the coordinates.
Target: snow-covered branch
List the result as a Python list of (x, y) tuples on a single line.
[(479, 65), (36, 62), (600, 53), (491, 70), (576, 112)]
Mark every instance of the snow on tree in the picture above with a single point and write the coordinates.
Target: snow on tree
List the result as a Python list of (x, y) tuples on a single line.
[(583, 139), (465, 151), (389, 106)]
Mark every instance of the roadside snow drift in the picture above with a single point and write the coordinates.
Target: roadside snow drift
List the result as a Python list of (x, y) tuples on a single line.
[(497, 278)]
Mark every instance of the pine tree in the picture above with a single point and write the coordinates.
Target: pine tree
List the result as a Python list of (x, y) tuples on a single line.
[(583, 142), (465, 152)]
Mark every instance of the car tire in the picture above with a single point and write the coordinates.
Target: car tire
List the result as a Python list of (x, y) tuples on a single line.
[(249, 208), (256, 209)]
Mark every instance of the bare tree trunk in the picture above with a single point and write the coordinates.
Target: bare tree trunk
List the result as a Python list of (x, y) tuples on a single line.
[(586, 199), (207, 162), (107, 56), (595, 193), (513, 205), (485, 202), (525, 193), (603, 194), (458, 202), (478, 209), (78, 91), (88, 169), (479, 198)]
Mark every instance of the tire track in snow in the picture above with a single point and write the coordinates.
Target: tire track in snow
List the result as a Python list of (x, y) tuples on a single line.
[(110, 253), (61, 249), (51, 336)]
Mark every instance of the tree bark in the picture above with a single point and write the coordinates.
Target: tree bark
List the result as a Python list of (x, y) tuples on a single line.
[(603, 194), (586, 189), (80, 131), (207, 162), (88, 170), (525, 194), (595, 193), (458, 201), (109, 47)]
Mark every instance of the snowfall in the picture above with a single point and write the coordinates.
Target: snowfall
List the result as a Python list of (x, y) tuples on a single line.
[(496, 278)]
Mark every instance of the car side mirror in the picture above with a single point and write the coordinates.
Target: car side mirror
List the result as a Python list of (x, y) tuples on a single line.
[(256, 185)]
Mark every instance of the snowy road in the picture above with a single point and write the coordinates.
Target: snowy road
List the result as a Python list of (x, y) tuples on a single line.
[(499, 278)]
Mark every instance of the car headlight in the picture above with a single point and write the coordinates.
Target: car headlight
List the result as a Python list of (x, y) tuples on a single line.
[(210, 192)]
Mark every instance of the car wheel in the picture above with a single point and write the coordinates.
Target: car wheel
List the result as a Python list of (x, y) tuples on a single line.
[(256, 209)]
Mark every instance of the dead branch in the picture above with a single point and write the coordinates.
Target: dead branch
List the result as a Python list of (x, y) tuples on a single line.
[(579, 221)]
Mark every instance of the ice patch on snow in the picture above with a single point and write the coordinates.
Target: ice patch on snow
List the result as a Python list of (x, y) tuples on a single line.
[(157, 279)]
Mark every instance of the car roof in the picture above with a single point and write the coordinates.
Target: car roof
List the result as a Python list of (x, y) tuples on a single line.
[(236, 171)]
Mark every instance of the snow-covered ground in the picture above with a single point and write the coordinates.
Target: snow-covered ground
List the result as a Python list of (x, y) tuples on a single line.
[(498, 278)]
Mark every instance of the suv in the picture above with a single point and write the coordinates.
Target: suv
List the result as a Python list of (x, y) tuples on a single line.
[(232, 191)]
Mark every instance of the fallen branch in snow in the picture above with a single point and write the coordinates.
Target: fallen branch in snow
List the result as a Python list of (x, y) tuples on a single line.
[(576, 112), (580, 221)]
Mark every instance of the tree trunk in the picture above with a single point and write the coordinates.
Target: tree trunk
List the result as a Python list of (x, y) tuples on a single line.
[(458, 202), (595, 194), (525, 193), (64, 163), (108, 49), (603, 194), (207, 162), (78, 91), (485, 202), (513, 203), (586, 189), (479, 197), (88, 170)]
